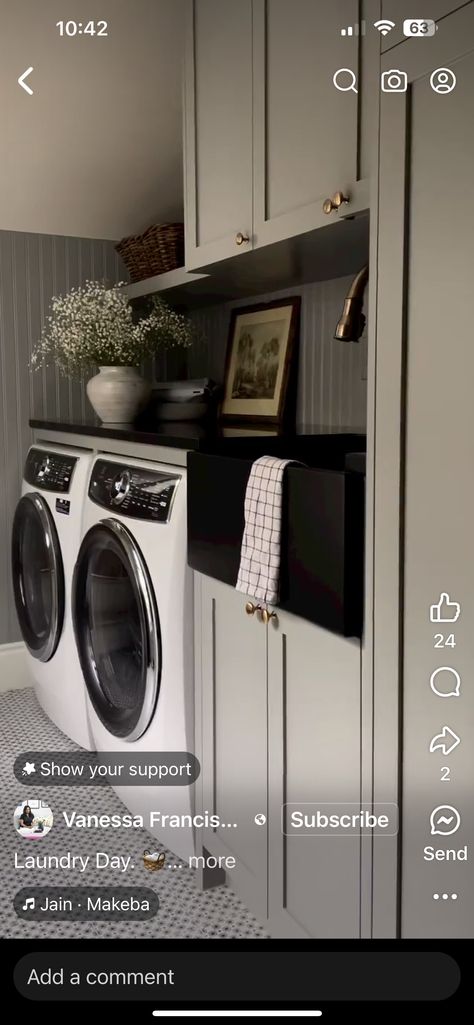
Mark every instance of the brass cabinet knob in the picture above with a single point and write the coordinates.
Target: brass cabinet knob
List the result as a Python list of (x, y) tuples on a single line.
[(267, 615), (333, 204), (240, 238), (251, 609)]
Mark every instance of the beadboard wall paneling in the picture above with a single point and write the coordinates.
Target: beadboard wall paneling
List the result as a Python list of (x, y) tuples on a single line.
[(33, 268), (332, 385)]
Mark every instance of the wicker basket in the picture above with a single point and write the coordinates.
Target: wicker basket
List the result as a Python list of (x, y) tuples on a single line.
[(159, 249), (153, 866)]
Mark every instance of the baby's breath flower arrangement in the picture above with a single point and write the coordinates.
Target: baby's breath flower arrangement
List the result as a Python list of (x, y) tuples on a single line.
[(95, 326)]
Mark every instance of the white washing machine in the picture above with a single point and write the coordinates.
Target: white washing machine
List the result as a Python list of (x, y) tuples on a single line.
[(133, 620), (45, 541)]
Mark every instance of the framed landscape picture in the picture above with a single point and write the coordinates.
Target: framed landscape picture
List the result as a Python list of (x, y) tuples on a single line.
[(261, 346)]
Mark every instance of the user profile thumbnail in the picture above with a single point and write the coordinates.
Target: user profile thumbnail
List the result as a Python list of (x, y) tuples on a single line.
[(32, 819)]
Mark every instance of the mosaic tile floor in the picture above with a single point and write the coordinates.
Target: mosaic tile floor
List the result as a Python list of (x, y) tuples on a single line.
[(185, 912)]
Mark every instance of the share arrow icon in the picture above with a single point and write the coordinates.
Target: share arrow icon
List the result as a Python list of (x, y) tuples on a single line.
[(445, 741), (21, 81)]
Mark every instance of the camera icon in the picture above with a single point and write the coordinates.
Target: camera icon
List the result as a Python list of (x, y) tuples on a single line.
[(394, 81)]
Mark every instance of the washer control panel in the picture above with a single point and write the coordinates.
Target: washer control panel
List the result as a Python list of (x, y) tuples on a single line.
[(49, 471), (137, 492)]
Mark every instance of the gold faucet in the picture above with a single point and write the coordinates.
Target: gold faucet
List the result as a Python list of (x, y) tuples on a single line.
[(352, 322)]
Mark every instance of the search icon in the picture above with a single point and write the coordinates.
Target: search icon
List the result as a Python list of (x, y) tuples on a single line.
[(344, 87)]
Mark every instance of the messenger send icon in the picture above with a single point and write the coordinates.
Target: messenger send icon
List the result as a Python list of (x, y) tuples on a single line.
[(444, 820)]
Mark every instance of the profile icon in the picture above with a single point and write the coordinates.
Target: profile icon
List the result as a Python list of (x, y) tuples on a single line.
[(443, 80), (32, 820)]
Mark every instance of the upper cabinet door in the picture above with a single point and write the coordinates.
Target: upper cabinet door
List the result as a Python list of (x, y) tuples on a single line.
[(306, 132), (218, 130)]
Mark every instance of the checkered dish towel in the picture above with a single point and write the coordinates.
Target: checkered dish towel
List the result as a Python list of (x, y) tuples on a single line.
[(259, 572)]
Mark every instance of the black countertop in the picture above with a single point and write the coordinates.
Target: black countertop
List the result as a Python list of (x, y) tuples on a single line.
[(187, 435), (201, 437)]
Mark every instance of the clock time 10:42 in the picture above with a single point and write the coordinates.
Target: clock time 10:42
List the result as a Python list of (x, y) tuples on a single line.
[(79, 28)]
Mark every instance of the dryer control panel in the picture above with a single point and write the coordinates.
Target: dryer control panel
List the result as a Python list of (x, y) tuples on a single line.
[(137, 492), (49, 471)]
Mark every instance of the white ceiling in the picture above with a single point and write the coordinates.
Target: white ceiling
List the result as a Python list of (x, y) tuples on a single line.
[(96, 152)]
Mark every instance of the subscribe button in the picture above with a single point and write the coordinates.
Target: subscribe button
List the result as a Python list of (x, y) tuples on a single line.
[(187, 977), (312, 819)]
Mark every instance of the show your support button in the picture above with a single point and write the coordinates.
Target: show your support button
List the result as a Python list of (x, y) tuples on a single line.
[(261, 976)]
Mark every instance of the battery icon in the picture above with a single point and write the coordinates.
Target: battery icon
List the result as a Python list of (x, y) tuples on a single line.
[(419, 27)]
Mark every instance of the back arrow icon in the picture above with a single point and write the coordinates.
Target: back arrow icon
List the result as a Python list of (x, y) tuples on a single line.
[(21, 81), (445, 741)]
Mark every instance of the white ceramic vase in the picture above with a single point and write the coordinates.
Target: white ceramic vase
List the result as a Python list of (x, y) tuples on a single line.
[(117, 394)]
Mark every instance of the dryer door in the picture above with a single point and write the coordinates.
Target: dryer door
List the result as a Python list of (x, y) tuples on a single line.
[(117, 629), (38, 576)]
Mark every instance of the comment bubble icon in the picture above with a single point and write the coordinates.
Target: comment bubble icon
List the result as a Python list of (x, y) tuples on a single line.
[(445, 682)]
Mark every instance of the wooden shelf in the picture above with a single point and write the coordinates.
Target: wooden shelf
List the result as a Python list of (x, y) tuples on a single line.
[(333, 251), (184, 288), (171, 281)]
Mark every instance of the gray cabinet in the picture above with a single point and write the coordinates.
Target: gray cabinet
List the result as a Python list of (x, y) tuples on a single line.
[(306, 132), (267, 135), (217, 129), (233, 736), (423, 314), (278, 722), (314, 755)]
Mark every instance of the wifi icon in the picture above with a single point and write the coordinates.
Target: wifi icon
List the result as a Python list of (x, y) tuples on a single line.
[(384, 27)]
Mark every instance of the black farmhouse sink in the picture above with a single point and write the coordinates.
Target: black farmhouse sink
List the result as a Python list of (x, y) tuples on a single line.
[(322, 557)]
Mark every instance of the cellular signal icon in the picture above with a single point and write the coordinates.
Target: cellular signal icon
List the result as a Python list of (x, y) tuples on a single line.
[(354, 30)]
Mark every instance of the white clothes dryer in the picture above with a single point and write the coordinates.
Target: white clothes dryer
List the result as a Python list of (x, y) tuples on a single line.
[(133, 620), (45, 541)]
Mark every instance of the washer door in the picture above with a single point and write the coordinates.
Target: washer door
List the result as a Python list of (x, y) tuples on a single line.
[(38, 576), (117, 629)]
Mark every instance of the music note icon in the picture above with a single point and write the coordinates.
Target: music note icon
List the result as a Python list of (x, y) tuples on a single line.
[(29, 904)]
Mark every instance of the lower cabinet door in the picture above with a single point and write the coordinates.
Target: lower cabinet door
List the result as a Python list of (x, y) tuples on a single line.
[(234, 738), (314, 756)]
